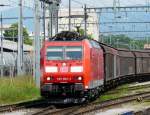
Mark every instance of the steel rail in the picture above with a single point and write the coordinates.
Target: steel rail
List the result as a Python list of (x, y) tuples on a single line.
[(114, 102), (65, 111), (45, 111), (22, 105), (84, 109)]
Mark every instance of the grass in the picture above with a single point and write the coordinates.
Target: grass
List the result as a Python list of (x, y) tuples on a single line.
[(110, 95), (115, 93), (18, 89), (119, 92)]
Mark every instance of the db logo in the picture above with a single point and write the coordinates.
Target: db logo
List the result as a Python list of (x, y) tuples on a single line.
[(64, 69)]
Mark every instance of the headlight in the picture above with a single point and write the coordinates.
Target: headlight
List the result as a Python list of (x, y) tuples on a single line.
[(51, 69), (86, 87), (76, 69), (49, 78), (80, 78)]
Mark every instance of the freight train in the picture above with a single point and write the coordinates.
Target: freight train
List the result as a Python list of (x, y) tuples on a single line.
[(80, 69)]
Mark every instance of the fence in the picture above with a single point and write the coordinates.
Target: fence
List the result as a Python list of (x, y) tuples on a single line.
[(8, 65)]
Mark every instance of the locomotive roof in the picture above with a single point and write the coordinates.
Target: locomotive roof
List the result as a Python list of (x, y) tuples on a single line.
[(68, 36)]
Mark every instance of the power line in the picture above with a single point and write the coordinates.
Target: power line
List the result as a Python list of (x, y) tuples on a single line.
[(123, 8), (83, 3), (47, 17), (125, 22), (126, 31), (16, 3), (105, 23)]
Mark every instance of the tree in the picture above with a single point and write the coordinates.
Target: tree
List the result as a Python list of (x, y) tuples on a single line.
[(82, 31), (122, 41), (12, 34)]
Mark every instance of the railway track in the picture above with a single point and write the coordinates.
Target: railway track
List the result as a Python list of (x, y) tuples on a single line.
[(130, 88), (48, 108), (23, 105), (54, 111), (114, 102), (45, 111), (84, 109)]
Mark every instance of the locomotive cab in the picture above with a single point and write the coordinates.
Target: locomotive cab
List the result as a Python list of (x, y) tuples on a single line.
[(62, 69), (71, 68)]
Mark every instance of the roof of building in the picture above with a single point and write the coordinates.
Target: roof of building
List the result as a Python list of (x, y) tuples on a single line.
[(10, 45)]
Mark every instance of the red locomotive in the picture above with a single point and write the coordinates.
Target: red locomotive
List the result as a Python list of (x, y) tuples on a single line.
[(81, 69)]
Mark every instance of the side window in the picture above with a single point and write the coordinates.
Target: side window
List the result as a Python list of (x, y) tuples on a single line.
[(94, 44), (91, 42), (97, 45)]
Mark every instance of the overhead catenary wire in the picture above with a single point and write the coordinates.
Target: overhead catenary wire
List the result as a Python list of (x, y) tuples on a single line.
[(29, 3), (15, 4), (82, 3)]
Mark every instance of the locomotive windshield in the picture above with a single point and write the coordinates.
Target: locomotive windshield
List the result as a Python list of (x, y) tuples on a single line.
[(55, 53), (73, 53), (64, 53)]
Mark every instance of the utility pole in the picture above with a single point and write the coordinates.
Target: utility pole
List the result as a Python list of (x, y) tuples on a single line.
[(50, 33), (53, 14), (117, 43), (69, 15), (116, 3), (147, 40), (44, 9), (110, 40), (57, 7), (148, 4), (20, 42), (37, 44), (2, 46), (85, 19), (2, 64)]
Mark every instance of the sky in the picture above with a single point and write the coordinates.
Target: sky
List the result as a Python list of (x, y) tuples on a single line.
[(76, 3), (28, 11)]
